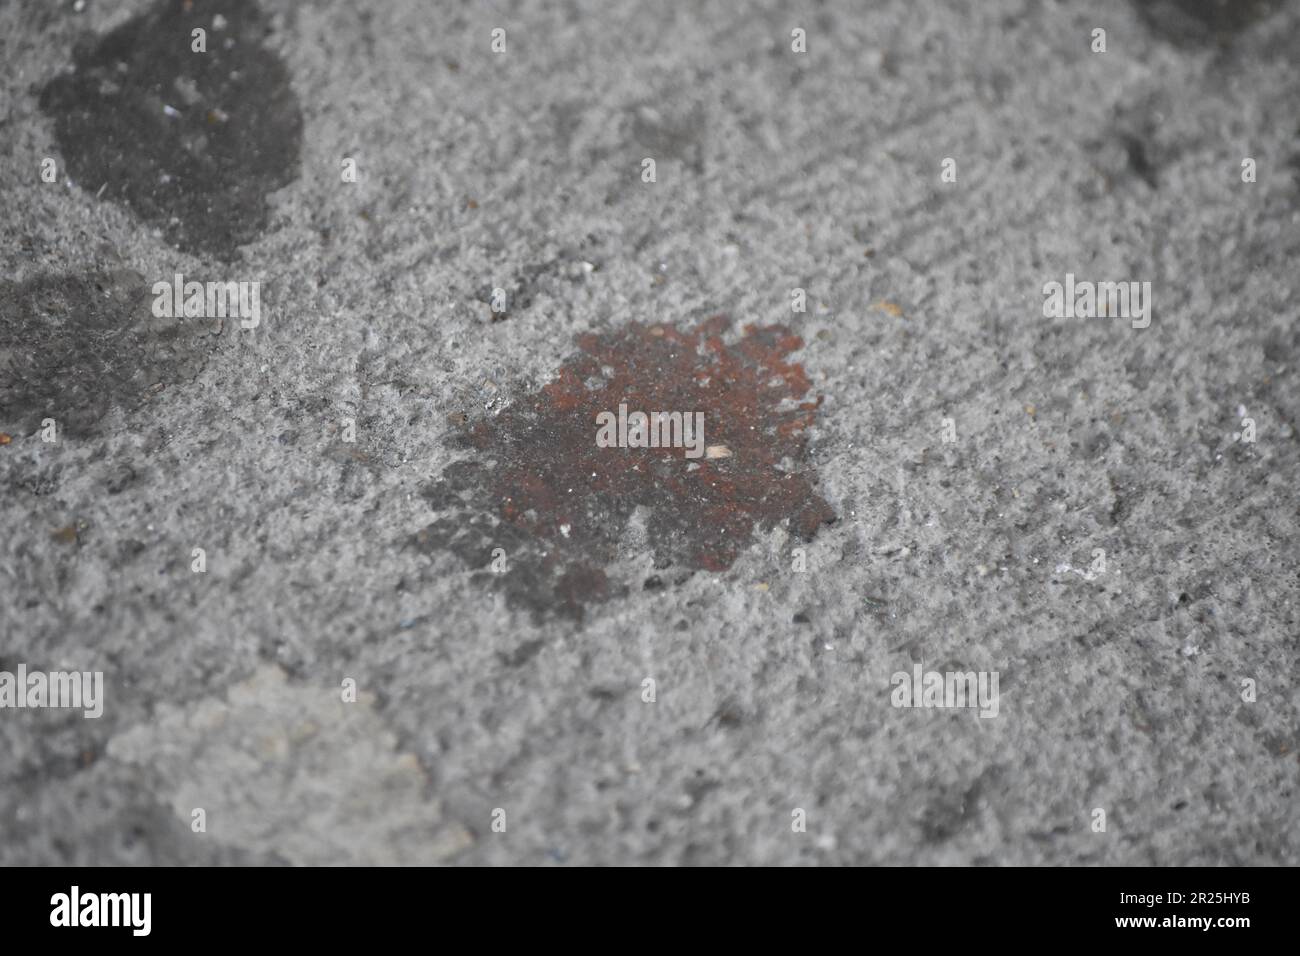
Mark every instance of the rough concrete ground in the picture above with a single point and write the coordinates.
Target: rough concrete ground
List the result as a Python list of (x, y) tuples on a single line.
[(1120, 689)]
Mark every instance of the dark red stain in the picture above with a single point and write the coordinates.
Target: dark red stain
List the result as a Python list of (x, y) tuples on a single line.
[(537, 485)]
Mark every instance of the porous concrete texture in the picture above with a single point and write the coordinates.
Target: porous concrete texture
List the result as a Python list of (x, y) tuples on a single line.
[(1123, 683)]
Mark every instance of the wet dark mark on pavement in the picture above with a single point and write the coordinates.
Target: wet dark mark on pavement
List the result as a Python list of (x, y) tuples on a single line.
[(1201, 22), (74, 346), (538, 487), (192, 142)]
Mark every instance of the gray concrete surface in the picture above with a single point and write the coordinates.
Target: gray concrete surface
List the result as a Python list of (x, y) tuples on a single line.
[(521, 170)]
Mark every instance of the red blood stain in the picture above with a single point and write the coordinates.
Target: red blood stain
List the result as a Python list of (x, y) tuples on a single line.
[(539, 487)]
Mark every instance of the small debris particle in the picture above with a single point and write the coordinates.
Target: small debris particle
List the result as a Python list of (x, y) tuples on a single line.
[(717, 451), (65, 535)]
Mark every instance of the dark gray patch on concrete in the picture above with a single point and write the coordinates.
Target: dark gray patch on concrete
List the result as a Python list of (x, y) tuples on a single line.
[(192, 142), (1197, 22), (74, 346)]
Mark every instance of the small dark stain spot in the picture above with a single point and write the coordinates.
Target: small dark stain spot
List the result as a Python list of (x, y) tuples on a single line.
[(540, 488), (130, 549), (1200, 22), (730, 715), (521, 655), (1180, 805), (1277, 745), (943, 818), (1276, 347), (192, 142), (654, 583), (801, 618), (1139, 162), (697, 790), (74, 346), (534, 279), (120, 479), (65, 535)]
